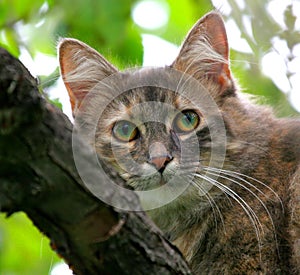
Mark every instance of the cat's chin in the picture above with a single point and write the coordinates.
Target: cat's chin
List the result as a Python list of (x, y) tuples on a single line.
[(148, 178), (148, 183)]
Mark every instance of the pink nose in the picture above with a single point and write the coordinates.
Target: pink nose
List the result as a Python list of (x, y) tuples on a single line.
[(159, 156), (160, 162)]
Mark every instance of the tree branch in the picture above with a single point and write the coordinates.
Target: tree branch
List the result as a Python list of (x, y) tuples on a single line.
[(38, 176)]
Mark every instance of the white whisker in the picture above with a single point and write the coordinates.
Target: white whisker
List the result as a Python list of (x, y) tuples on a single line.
[(242, 177), (248, 210), (212, 203), (252, 193), (225, 174)]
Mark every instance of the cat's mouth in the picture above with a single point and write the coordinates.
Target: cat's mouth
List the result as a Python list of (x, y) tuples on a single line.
[(149, 182), (156, 181)]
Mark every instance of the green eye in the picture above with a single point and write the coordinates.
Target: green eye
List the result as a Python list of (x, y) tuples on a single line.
[(125, 131), (186, 121)]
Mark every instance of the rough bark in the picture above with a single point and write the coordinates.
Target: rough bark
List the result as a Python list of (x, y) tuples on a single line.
[(38, 176)]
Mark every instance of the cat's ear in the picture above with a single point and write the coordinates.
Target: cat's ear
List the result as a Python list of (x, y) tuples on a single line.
[(205, 52), (81, 68)]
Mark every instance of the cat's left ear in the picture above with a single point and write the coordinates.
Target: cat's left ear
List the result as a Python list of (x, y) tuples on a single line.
[(205, 52), (81, 68)]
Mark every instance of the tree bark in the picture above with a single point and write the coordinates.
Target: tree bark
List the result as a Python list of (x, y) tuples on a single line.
[(38, 176)]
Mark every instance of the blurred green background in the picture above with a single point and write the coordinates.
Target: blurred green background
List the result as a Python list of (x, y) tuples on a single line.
[(268, 32)]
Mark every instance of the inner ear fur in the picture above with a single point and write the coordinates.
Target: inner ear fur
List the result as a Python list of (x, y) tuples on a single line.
[(205, 52), (82, 68)]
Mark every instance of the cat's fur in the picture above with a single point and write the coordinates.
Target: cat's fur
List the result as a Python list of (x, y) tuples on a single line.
[(249, 221)]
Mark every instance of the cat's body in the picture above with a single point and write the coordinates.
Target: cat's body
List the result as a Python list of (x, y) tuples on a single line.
[(248, 221)]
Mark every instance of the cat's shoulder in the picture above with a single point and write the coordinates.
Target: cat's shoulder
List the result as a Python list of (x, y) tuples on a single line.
[(288, 132)]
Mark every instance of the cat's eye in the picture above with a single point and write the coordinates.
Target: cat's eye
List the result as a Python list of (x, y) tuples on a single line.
[(125, 131), (186, 121)]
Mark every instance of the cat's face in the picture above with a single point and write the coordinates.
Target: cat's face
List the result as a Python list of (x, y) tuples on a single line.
[(154, 136), (142, 133)]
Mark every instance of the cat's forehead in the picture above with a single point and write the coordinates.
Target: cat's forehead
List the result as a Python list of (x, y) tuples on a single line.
[(129, 91), (138, 96), (142, 105)]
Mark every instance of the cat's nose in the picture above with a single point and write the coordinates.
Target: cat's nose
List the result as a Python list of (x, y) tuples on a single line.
[(159, 156), (160, 162)]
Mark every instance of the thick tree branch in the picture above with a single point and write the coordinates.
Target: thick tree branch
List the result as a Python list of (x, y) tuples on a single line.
[(38, 176)]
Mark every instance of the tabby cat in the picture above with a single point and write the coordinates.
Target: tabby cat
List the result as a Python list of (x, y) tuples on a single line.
[(241, 217)]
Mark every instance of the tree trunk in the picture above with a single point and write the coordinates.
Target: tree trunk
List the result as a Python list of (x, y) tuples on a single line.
[(38, 176)]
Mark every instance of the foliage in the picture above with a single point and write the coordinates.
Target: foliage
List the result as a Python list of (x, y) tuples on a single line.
[(36, 26), (23, 250), (259, 30)]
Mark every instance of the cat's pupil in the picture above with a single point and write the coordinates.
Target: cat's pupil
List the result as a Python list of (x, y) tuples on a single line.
[(189, 119)]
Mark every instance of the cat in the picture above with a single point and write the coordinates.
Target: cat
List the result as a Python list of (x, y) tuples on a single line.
[(240, 218)]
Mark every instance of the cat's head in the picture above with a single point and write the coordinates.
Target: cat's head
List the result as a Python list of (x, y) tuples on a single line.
[(150, 132)]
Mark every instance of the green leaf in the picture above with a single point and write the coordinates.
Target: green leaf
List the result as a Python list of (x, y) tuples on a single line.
[(56, 102), (289, 18), (183, 15), (254, 82), (26, 9), (9, 41), (23, 249)]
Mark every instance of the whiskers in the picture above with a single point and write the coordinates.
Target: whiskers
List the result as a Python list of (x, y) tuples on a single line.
[(215, 208), (229, 182), (234, 176)]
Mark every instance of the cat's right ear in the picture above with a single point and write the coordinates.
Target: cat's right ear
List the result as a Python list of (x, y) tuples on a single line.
[(81, 68)]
